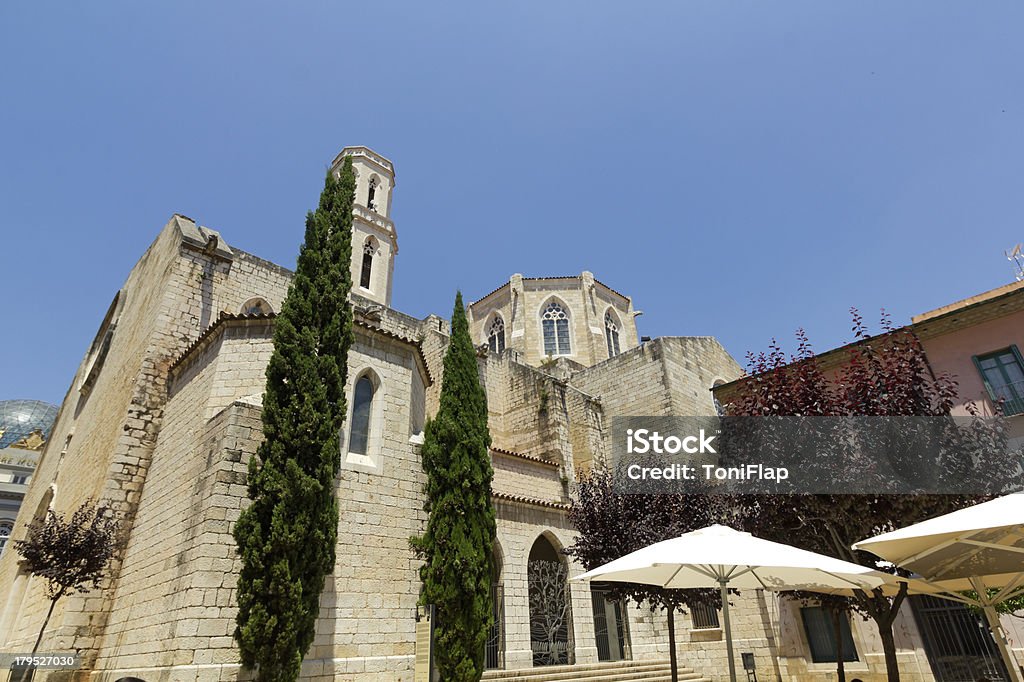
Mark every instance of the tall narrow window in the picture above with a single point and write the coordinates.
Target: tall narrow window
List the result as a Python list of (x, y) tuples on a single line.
[(362, 401), (367, 270), (555, 328), (5, 533), (496, 335), (371, 195), (719, 409), (611, 335)]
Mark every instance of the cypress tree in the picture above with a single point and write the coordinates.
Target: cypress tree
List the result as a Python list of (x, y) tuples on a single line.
[(287, 535), (459, 539)]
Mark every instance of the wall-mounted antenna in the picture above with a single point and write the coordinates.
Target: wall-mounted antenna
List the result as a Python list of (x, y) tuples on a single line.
[(1014, 256)]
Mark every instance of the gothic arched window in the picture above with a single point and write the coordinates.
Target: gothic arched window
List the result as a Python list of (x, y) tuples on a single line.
[(555, 329), (367, 269), (611, 334), (371, 195), (719, 410), (496, 335), (5, 532), (362, 401), (256, 306)]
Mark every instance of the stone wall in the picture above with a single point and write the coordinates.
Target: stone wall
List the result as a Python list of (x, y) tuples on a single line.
[(105, 430), (518, 475), (174, 610)]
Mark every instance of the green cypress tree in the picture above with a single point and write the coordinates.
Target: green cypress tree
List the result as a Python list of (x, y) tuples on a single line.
[(287, 536), (458, 543)]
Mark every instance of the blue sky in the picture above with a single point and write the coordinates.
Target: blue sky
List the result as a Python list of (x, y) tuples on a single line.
[(740, 169)]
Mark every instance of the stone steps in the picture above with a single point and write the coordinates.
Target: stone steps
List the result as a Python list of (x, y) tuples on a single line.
[(618, 671)]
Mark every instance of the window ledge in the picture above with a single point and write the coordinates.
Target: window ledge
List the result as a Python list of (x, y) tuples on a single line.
[(706, 634), (358, 462), (849, 666)]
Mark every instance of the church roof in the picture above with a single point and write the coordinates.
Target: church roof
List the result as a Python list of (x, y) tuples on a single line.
[(533, 501), (532, 458), (536, 279), (226, 318)]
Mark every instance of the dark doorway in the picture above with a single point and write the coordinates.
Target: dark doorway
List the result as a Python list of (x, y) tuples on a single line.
[(958, 642), (610, 626)]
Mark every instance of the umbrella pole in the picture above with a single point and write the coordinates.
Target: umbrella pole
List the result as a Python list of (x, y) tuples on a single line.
[(722, 586), (997, 631), (1012, 669)]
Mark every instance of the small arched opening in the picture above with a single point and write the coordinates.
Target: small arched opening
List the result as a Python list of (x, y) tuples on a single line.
[(256, 306), (366, 269), (371, 194)]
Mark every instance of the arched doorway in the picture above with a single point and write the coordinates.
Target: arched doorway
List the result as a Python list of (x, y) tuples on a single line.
[(547, 577), (494, 657)]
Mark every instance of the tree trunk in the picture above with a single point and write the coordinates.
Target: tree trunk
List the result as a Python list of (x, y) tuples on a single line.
[(672, 643), (837, 631), (28, 672), (53, 602), (889, 647)]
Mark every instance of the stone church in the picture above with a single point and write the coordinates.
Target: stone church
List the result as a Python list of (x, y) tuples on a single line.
[(163, 414)]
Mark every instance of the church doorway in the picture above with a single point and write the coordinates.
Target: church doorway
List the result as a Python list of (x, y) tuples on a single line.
[(547, 577), (610, 627)]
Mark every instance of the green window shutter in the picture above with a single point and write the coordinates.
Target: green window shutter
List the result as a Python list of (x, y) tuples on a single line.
[(984, 380)]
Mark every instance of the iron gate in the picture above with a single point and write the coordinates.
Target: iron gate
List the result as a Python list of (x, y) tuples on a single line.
[(957, 640)]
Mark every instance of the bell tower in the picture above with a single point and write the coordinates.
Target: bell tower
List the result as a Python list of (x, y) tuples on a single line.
[(374, 240)]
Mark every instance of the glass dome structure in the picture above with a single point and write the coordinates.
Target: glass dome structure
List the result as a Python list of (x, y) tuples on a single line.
[(19, 418)]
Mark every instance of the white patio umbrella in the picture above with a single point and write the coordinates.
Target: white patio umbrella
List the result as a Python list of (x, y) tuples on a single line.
[(978, 548), (721, 557)]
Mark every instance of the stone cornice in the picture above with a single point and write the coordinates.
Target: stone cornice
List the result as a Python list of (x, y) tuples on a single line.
[(377, 220), (208, 336), (530, 501), (519, 455), (365, 153)]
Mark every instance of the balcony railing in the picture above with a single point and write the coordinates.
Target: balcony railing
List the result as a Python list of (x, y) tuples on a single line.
[(1012, 398)]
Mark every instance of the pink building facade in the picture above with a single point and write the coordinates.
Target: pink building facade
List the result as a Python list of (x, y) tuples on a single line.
[(979, 340)]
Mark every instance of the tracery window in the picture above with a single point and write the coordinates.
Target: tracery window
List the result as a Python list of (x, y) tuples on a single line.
[(555, 329), (496, 335), (371, 195), (367, 269), (611, 335)]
